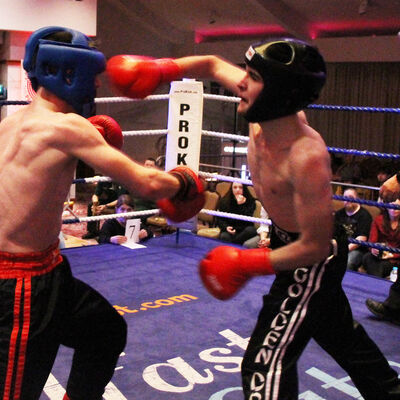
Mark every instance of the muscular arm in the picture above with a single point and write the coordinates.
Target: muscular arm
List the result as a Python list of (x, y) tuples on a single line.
[(78, 138), (213, 68), (310, 173)]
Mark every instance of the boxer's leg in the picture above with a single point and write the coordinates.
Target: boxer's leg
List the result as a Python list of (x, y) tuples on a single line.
[(97, 333)]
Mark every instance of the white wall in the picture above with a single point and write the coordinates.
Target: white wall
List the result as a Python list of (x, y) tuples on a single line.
[(29, 15)]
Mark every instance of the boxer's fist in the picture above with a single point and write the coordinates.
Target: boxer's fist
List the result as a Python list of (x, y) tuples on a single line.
[(190, 198), (139, 76), (109, 129), (225, 269)]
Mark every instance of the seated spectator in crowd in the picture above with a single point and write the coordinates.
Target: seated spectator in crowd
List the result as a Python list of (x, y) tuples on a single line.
[(262, 238), (356, 222), (238, 200), (349, 171), (113, 230), (385, 229), (103, 195), (109, 207), (382, 176)]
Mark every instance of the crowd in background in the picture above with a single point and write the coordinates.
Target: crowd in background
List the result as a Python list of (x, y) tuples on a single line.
[(353, 177)]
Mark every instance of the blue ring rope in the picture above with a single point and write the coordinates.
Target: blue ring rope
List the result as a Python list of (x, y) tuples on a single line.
[(354, 108)]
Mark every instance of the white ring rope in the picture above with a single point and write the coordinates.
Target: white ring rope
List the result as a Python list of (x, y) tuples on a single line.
[(157, 211), (237, 216), (146, 132), (96, 179), (229, 136), (103, 100), (353, 185), (111, 216), (229, 99), (221, 135), (225, 178)]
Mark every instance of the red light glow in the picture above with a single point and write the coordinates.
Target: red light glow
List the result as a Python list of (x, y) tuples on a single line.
[(237, 32), (321, 29)]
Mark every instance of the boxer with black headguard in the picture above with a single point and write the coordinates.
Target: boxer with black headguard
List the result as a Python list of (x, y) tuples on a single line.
[(290, 170)]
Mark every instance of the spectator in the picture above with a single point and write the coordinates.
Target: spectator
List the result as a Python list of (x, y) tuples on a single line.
[(385, 229), (262, 237), (150, 162), (390, 308), (383, 175), (103, 194), (356, 222), (349, 171), (113, 230), (238, 200)]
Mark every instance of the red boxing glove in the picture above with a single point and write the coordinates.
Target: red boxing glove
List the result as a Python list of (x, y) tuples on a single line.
[(225, 269), (139, 76), (188, 201), (109, 129)]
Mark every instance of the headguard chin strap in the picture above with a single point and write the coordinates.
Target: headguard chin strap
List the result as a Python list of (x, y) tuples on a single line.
[(293, 72), (68, 70)]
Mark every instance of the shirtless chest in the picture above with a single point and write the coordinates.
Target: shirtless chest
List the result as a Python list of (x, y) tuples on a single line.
[(34, 182), (270, 174)]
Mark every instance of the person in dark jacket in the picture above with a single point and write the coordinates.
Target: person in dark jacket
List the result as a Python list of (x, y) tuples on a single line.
[(113, 230), (238, 200)]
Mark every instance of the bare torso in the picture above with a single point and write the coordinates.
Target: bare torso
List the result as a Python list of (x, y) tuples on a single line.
[(271, 171), (35, 178), (39, 149)]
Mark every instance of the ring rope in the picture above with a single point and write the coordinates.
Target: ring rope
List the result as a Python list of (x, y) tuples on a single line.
[(355, 108), (93, 179), (375, 245), (218, 214), (367, 202), (233, 99), (229, 99), (363, 153), (110, 216), (146, 132), (102, 100), (355, 185), (226, 178), (223, 135), (241, 138)]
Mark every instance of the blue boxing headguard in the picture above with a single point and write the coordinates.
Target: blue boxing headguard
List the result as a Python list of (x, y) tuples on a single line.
[(293, 72), (68, 70)]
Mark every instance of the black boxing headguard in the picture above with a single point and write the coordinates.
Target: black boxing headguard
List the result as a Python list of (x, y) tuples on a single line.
[(68, 70), (293, 72)]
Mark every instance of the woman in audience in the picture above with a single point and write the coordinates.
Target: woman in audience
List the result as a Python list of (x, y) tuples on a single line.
[(238, 200), (385, 229), (113, 230), (262, 238)]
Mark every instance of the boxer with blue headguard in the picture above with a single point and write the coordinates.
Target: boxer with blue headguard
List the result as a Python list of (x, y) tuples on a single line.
[(68, 69), (41, 144), (290, 170)]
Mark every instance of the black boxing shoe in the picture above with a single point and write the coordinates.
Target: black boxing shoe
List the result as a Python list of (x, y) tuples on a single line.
[(382, 312)]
